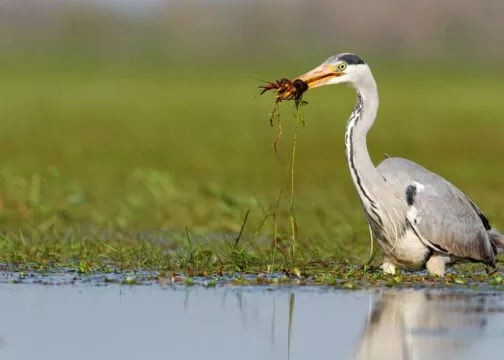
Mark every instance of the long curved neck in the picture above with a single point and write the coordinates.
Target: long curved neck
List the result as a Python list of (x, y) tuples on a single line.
[(369, 183)]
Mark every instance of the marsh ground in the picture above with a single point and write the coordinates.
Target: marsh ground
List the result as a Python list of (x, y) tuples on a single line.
[(155, 165)]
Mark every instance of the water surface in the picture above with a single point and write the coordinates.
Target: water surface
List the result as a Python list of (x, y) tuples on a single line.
[(132, 322)]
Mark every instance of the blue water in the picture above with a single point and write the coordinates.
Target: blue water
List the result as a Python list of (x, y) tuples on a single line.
[(141, 322)]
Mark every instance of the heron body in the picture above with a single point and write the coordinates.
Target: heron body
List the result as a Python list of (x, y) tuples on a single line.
[(418, 218)]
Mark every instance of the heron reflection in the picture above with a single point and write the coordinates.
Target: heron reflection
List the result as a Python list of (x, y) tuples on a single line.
[(412, 325)]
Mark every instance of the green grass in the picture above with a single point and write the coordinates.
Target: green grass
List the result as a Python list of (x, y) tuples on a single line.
[(95, 160)]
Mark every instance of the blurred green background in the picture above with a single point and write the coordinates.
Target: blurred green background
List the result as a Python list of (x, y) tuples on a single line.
[(145, 115)]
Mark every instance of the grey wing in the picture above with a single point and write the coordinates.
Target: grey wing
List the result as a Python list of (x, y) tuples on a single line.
[(441, 215)]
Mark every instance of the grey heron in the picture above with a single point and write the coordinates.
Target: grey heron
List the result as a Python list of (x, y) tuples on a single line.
[(418, 218)]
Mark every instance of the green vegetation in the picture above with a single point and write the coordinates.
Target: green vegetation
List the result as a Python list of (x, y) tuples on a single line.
[(156, 168)]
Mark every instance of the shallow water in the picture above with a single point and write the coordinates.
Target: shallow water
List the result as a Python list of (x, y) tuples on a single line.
[(83, 321)]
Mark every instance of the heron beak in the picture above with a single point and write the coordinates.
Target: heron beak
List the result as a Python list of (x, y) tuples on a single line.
[(312, 79), (319, 76)]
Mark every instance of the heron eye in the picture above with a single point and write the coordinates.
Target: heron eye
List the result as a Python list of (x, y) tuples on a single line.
[(342, 66)]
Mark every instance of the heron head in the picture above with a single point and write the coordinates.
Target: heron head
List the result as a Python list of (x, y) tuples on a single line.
[(339, 69)]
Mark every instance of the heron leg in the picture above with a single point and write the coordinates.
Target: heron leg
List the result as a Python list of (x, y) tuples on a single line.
[(388, 267), (437, 263)]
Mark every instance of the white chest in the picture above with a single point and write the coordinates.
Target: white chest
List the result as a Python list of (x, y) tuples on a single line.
[(408, 251)]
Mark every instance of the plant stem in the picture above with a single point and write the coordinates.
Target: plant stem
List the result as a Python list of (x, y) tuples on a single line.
[(292, 161)]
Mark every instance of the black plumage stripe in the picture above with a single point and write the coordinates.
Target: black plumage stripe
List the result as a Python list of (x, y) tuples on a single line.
[(377, 220), (351, 59)]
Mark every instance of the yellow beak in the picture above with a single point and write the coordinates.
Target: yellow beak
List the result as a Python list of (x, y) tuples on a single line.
[(312, 79), (319, 75)]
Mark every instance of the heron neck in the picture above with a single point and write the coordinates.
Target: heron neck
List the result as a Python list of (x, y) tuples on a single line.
[(367, 180)]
